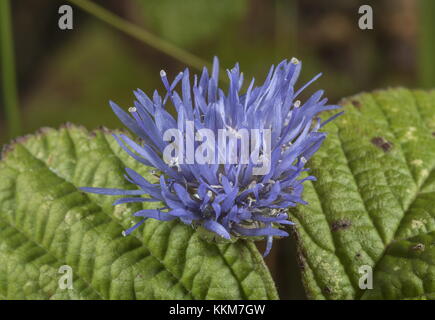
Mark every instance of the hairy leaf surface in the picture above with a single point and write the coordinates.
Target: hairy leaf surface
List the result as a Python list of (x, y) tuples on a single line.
[(374, 202), (46, 222)]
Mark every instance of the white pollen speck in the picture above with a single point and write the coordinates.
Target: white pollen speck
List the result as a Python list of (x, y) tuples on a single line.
[(132, 109), (174, 162), (303, 160), (294, 61), (162, 73), (124, 234), (297, 103)]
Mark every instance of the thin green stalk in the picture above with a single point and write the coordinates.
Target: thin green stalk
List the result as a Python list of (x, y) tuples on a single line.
[(8, 71), (141, 34), (426, 43)]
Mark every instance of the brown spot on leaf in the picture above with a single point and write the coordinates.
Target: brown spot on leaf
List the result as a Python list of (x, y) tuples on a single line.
[(340, 225), (358, 255), (356, 104), (387, 146), (382, 143), (377, 141), (327, 290), (433, 134)]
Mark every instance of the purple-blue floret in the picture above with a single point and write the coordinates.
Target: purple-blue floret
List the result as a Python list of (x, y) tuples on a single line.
[(226, 199)]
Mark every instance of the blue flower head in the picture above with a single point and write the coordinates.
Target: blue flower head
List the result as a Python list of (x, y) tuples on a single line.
[(218, 185)]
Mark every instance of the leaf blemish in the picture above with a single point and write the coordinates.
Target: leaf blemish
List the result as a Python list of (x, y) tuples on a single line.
[(327, 290), (382, 143), (356, 104), (417, 162), (417, 224), (340, 225), (418, 247)]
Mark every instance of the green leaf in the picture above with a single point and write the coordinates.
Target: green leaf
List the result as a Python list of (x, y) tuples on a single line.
[(374, 201), (46, 222)]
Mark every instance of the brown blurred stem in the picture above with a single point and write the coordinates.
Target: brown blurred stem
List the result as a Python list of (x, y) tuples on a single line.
[(10, 96)]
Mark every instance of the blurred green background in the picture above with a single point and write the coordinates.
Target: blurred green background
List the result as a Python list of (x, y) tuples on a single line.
[(69, 76)]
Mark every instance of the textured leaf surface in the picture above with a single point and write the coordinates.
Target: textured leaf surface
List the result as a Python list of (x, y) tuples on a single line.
[(374, 201), (46, 222)]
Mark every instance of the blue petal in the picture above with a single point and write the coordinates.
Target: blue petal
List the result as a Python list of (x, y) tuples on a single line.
[(113, 192), (331, 118), (268, 246), (130, 230), (184, 196), (216, 228), (126, 119), (255, 232), (132, 200), (155, 214)]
